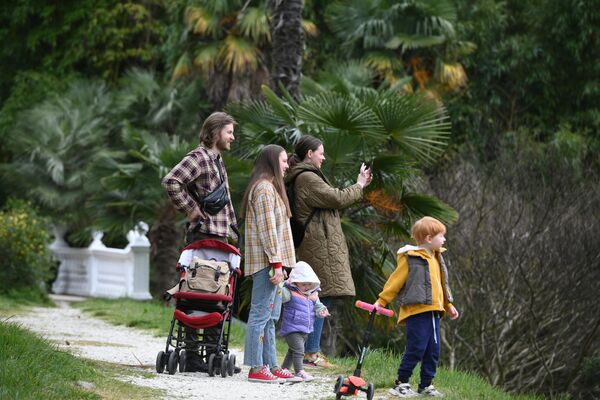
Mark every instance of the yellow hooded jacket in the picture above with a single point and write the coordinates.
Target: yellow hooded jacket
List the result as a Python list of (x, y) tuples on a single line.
[(423, 289)]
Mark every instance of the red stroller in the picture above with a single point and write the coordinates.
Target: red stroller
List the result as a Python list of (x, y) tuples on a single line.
[(207, 308)]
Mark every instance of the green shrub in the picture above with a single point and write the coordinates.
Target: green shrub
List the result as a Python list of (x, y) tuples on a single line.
[(589, 388), (24, 240)]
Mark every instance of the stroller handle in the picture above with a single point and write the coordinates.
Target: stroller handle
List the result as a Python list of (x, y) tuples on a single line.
[(369, 307)]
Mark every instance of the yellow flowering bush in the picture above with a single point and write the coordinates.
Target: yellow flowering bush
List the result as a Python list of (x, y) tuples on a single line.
[(24, 255)]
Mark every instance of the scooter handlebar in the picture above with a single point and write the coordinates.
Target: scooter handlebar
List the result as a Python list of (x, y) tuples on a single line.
[(369, 307)]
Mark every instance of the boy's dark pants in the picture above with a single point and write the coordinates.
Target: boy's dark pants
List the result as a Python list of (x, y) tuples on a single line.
[(422, 344)]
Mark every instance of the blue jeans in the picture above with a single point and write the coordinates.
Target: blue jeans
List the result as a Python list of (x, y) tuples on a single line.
[(422, 344), (265, 308), (313, 341)]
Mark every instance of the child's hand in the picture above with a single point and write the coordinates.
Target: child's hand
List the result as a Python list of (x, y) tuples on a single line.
[(453, 313), (324, 313)]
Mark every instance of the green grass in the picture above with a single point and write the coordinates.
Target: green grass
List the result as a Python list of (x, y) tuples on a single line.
[(380, 366), (33, 368), (18, 301)]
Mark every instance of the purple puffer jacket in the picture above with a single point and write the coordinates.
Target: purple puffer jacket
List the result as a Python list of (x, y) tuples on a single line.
[(299, 313)]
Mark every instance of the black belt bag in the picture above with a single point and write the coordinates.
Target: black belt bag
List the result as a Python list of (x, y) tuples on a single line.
[(216, 200)]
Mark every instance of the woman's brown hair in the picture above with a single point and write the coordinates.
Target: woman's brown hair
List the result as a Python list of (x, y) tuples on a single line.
[(304, 144), (267, 168)]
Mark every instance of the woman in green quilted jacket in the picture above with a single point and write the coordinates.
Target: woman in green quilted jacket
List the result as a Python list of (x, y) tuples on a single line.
[(317, 204)]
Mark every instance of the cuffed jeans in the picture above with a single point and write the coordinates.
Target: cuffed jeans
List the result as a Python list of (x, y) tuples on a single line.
[(422, 344), (313, 341), (265, 308)]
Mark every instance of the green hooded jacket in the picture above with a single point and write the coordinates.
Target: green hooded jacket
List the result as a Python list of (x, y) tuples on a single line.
[(324, 246)]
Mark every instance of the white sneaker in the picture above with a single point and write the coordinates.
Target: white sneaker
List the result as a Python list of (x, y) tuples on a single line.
[(306, 377), (430, 391), (403, 390)]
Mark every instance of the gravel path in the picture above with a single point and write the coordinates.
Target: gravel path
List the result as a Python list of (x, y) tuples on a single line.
[(91, 338)]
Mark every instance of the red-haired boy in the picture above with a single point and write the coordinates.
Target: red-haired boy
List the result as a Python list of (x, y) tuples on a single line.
[(421, 283)]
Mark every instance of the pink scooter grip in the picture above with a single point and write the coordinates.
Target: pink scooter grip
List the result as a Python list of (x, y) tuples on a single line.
[(369, 307)]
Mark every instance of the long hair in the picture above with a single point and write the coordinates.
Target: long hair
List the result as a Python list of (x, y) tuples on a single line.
[(212, 126), (306, 143), (267, 168)]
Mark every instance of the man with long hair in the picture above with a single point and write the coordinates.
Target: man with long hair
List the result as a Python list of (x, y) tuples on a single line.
[(200, 173)]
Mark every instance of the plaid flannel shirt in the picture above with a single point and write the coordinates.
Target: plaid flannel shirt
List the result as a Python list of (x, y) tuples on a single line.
[(268, 234), (198, 172)]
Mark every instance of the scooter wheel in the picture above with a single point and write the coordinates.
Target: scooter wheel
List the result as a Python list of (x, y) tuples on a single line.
[(370, 391), (338, 384)]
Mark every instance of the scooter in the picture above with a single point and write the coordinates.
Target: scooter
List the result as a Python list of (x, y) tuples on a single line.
[(354, 384)]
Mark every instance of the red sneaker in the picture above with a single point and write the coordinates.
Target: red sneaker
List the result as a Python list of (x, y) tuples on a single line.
[(284, 373), (262, 375)]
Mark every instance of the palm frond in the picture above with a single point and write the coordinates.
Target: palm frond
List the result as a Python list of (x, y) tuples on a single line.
[(441, 15), (202, 21), (355, 233), (358, 21), (254, 24), (343, 113), (418, 205), (283, 109), (310, 28), (207, 56), (405, 41), (239, 54), (416, 124), (183, 66)]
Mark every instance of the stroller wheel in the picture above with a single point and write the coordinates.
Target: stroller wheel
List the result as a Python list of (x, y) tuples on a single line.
[(182, 361), (172, 363), (231, 365), (211, 365), (160, 362), (224, 365)]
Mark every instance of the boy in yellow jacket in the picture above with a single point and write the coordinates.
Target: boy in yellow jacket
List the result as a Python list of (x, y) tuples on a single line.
[(421, 283)]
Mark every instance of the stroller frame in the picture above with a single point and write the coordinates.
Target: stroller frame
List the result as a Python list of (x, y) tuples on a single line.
[(213, 341)]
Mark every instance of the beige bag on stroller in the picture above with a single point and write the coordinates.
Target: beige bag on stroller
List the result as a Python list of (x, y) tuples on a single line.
[(204, 276)]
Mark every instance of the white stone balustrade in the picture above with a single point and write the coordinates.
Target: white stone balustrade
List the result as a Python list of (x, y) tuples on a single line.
[(100, 271)]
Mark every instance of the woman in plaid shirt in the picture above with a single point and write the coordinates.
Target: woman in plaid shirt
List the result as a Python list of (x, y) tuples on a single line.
[(269, 247)]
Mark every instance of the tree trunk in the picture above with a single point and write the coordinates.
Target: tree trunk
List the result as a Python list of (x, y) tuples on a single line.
[(165, 240), (287, 45)]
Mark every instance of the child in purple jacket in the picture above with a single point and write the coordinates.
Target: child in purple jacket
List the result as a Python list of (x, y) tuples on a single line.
[(301, 306)]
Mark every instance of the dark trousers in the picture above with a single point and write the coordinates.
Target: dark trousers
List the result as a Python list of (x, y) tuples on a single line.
[(422, 345)]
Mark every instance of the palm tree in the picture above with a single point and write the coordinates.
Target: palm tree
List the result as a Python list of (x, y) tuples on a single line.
[(414, 39), (157, 127), (129, 191), (225, 41), (287, 45), (54, 145), (358, 124)]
